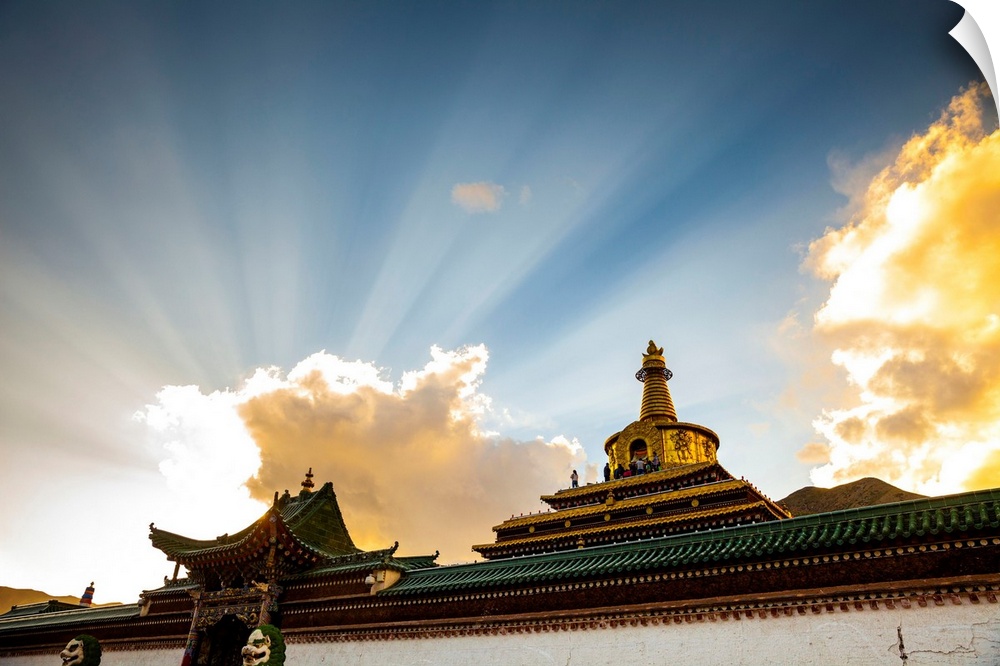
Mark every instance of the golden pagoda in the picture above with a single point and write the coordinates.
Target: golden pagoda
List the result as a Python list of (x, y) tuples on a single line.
[(666, 479)]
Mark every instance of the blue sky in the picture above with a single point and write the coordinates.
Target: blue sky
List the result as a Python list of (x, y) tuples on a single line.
[(193, 191)]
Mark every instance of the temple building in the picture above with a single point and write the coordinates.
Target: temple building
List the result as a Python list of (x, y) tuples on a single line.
[(236, 580), (682, 487), (678, 562)]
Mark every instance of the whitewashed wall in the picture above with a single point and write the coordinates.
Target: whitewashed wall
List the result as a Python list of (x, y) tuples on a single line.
[(124, 658), (964, 634)]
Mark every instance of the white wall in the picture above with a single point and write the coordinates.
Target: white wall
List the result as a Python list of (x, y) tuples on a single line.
[(109, 658), (966, 634), (951, 634)]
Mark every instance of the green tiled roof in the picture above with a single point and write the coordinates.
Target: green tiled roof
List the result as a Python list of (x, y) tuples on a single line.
[(369, 561), (414, 562), (75, 618), (953, 514), (316, 519), (49, 606), (313, 518)]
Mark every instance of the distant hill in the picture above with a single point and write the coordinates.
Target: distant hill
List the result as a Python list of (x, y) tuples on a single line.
[(10, 596), (864, 492)]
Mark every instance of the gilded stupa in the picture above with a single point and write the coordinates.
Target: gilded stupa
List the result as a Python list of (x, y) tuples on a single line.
[(658, 431), (681, 486)]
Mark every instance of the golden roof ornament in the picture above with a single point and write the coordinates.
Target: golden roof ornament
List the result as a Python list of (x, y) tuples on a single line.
[(657, 405), (308, 485), (87, 599)]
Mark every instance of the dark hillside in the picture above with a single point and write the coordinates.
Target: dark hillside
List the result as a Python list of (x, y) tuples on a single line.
[(863, 492)]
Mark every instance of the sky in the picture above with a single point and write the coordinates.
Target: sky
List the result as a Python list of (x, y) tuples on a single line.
[(420, 248)]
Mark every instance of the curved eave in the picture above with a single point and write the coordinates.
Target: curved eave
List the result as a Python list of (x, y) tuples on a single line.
[(299, 514), (185, 551), (252, 542)]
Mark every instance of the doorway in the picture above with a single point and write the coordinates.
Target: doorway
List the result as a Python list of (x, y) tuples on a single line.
[(224, 642)]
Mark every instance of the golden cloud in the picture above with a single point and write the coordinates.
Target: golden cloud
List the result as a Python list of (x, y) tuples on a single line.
[(814, 453), (409, 463), (482, 197), (913, 313)]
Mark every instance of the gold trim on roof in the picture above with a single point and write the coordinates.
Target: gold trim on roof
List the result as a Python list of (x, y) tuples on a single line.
[(663, 475), (629, 526), (626, 504)]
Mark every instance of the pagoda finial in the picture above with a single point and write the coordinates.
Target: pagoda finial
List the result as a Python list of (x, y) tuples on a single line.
[(656, 401), (88, 596), (308, 485)]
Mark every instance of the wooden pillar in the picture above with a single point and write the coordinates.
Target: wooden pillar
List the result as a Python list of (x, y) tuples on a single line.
[(270, 589), (191, 649), (269, 595)]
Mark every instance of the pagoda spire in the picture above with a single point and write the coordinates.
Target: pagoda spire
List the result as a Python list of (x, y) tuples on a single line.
[(308, 484), (657, 405)]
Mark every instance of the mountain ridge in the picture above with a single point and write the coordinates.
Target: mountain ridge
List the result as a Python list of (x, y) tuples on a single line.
[(868, 491), (12, 596)]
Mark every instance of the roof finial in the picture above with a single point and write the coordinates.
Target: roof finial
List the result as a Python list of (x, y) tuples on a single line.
[(308, 485), (88, 596), (656, 401)]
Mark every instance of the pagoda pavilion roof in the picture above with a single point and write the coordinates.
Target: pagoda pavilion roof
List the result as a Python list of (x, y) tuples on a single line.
[(311, 523), (708, 516), (671, 474), (680, 499), (619, 506), (847, 534)]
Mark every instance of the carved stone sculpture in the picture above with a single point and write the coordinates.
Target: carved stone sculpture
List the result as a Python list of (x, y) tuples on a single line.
[(265, 646), (83, 650)]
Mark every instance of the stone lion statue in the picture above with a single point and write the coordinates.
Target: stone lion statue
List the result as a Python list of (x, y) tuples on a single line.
[(83, 650), (265, 646)]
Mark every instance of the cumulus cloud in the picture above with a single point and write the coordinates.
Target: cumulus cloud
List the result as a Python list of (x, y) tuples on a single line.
[(409, 461), (913, 312), (482, 197)]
